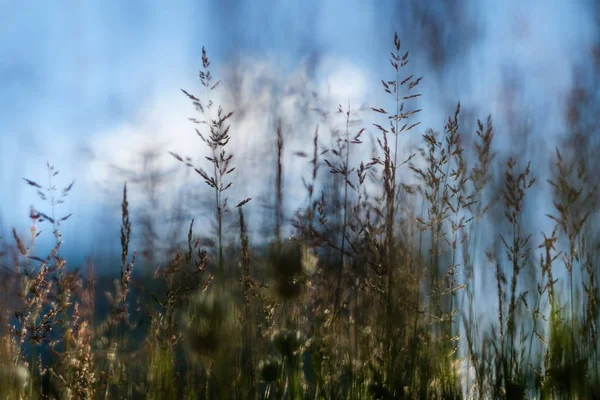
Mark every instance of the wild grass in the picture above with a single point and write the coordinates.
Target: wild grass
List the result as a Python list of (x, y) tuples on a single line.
[(383, 290)]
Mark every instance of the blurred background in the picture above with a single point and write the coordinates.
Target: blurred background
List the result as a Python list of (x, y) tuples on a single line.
[(94, 89)]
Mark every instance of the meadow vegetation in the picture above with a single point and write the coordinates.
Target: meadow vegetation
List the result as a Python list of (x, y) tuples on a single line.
[(387, 288)]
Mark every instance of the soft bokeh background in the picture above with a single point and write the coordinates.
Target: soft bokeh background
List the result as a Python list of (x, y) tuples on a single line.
[(91, 86)]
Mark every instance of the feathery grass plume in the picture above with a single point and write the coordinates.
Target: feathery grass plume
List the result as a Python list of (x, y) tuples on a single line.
[(344, 227), (341, 167), (126, 267), (125, 231), (509, 359), (220, 159), (435, 189), (44, 289), (65, 283), (575, 202), (75, 371), (458, 201), (545, 289), (119, 317), (436, 194), (400, 89), (48, 193), (443, 187), (480, 173), (38, 313), (479, 177)]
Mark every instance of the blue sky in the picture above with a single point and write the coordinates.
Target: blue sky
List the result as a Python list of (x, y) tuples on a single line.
[(89, 85)]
